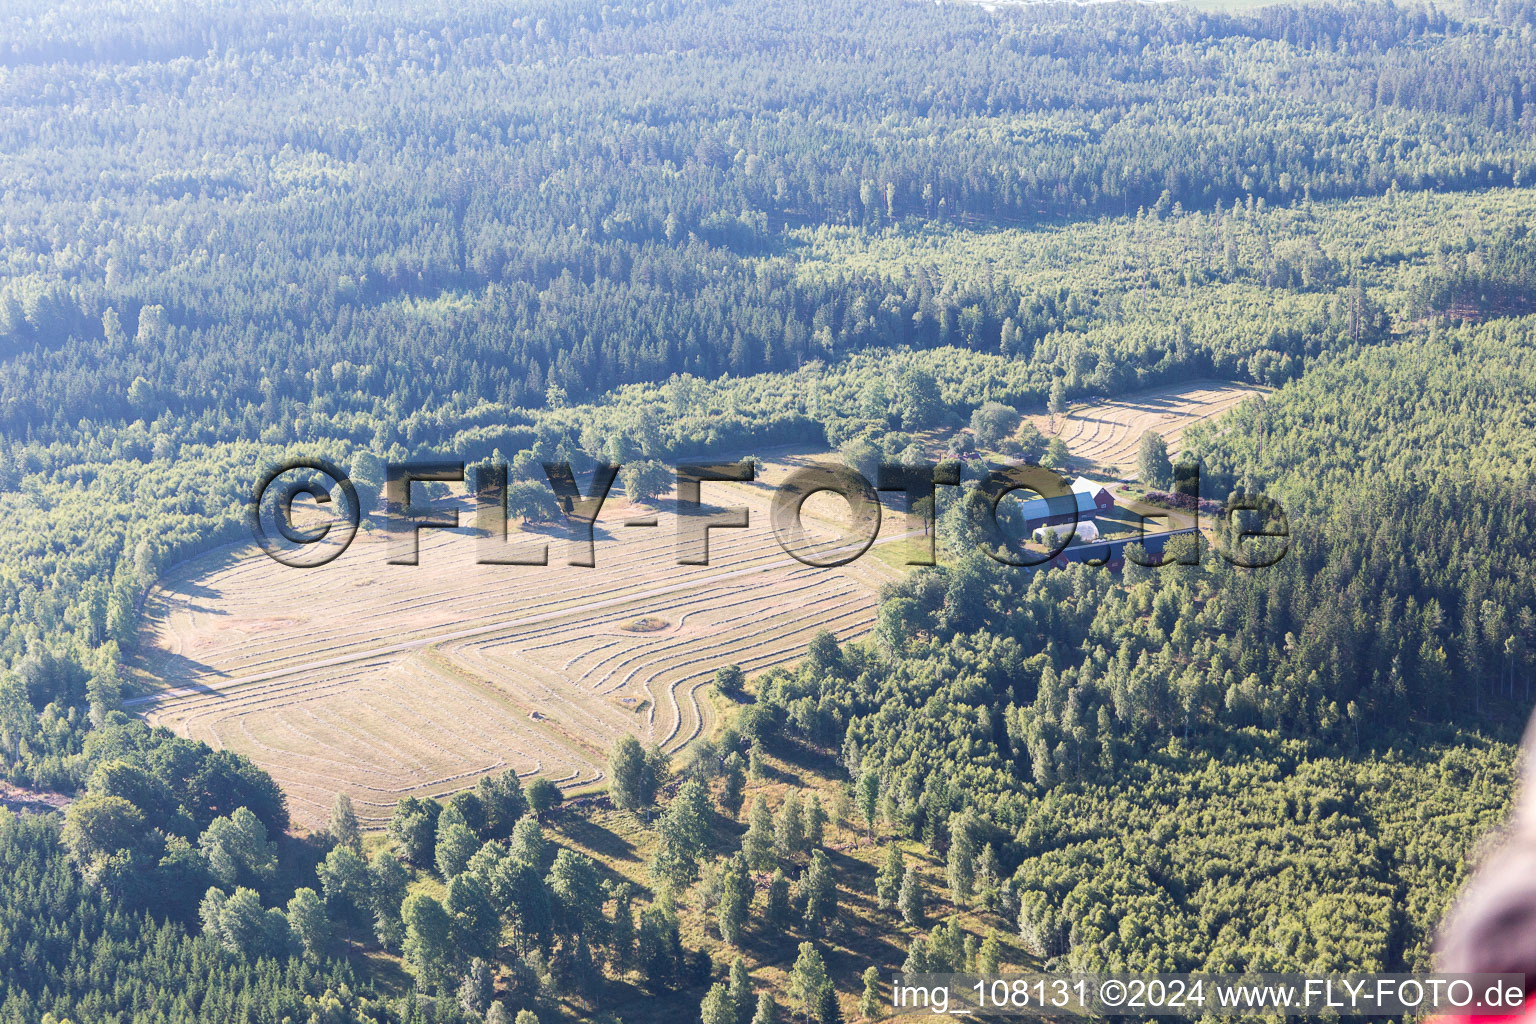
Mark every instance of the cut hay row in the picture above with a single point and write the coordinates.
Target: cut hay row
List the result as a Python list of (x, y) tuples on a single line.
[(191, 712), (859, 627), (695, 603), (724, 651), (551, 695), (452, 596), (1108, 433), (433, 742), (762, 656), (666, 643)]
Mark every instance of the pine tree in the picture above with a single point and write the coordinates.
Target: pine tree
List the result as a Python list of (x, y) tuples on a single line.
[(808, 981), (776, 915), (828, 1009), (869, 1001), (820, 889), (733, 789), (989, 956), (868, 798), (476, 988), (960, 869), (622, 931), (717, 1007), (910, 902), (789, 827), (528, 845), (815, 822), (888, 880), (918, 960), (503, 802), (757, 844), (767, 1010), (735, 897), (741, 990), (632, 775)]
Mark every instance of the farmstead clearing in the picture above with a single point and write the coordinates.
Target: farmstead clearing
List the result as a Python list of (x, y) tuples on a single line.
[(384, 681)]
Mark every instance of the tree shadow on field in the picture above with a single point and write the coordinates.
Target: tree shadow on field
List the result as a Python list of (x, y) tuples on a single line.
[(189, 588), (804, 757), (601, 841), (556, 533), (174, 672)]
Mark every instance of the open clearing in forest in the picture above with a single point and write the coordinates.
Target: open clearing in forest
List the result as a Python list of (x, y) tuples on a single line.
[(384, 681), (1106, 434)]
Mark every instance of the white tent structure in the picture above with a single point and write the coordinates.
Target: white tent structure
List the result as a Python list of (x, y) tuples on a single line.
[(1086, 533)]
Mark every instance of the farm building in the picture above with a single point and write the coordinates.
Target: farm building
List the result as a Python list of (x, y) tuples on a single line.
[(1089, 497), (1086, 533), (1103, 501)]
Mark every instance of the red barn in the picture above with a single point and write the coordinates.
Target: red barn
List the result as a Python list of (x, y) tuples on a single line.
[(1103, 501), (1088, 497)]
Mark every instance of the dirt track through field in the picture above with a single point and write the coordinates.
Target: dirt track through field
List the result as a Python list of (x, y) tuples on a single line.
[(383, 681)]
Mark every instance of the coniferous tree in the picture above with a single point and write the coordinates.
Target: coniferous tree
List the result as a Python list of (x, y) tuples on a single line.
[(911, 900), (757, 845), (789, 827), (631, 774), (815, 822), (476, 989), (718, 1007), (889, 878), (776, 913), (735, 898), (733, 789), (819, 890), (868, 789), (808, 981), (741, 991), (869, 1000), (528, 845)]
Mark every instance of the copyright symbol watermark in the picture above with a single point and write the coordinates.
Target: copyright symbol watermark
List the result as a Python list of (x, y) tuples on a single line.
[(273, 499)]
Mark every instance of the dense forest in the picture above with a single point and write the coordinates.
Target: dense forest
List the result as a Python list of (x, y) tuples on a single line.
[(575, 196), (1044, 707), (575, 230)]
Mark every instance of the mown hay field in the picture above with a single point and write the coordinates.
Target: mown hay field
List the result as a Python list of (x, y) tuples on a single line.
[(384, 681), (1104, 436)]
